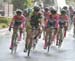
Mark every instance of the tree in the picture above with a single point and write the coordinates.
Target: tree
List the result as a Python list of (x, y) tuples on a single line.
[(28, 3), (21, 4), (18, 4)]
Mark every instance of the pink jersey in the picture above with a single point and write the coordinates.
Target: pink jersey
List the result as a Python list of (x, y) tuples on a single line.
[(56, 18), (16, 18), (65, 17)]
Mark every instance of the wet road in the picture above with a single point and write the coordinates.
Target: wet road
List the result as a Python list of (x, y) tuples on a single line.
[(65, 53)]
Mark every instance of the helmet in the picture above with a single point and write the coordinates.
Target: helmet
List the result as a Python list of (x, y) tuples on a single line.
[(46, 9), (53, 11), (18, 11), (65, 7), (63, 11), (36, 8)]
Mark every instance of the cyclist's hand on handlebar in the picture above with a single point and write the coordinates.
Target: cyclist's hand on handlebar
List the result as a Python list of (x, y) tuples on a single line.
[(10, 29)]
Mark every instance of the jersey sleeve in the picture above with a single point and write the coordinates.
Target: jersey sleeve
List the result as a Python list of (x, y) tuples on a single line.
[(12, 21)]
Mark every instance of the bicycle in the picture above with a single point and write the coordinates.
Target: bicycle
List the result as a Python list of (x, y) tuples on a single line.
[(60, 36), (28, 44), (34, 31), (14, 42), (50, 37)]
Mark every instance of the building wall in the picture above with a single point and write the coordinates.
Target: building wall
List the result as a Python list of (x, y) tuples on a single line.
[(6, 8)]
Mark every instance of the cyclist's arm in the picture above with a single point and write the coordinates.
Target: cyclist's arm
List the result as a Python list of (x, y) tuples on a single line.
[(12, 23)]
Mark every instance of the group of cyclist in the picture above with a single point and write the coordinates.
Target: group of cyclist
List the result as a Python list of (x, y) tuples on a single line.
[(41, 21)]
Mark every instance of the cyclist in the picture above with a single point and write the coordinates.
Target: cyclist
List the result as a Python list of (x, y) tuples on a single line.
[(65, 17), (46, 18), (36, 18), (18, 22), (53, 16), (28, 28), (32, 22), (63, 23)]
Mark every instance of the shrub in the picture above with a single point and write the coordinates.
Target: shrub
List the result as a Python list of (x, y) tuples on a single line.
[(3, 20), (3, 25)]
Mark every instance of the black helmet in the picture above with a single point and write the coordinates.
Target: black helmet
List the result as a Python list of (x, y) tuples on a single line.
[(65, 7), (18, 11), (63, 11), (36, 8), (53, 11), (46, 9)]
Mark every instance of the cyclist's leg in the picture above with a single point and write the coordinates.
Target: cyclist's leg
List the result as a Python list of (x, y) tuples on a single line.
[(28, 37), (20, 34), (26, 42), (46, 35), (65, 30), (39, 31), (56, 34)]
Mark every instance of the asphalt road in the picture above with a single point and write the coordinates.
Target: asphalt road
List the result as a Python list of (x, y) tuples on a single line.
[(65, 53)]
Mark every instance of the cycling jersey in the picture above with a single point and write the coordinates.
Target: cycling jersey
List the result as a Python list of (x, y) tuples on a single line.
[(51, 23), (63, 20), (46, 17), (35, 19), (18, 21), (54, 18)]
